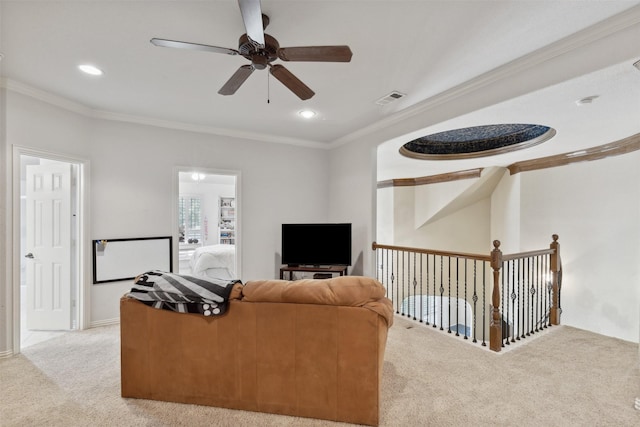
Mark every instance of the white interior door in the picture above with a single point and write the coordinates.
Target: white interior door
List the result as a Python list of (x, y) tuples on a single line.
[(48, 246)]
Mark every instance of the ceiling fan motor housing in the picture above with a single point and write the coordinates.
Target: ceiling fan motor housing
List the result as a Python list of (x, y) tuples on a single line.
[(259, 57)]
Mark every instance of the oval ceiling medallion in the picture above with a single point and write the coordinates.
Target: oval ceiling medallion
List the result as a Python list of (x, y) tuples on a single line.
[(477, 141)]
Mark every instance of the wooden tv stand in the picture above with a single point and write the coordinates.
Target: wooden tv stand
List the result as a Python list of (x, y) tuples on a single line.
[(341, 270)]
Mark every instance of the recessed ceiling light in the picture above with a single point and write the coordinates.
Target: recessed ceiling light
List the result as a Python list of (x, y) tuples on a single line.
[(307, 114), (90, 69)]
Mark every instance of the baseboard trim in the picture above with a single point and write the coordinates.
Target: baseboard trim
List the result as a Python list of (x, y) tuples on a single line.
[(106, 322), (5, 354)]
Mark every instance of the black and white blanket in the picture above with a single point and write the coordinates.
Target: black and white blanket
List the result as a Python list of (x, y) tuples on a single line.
[(181, 293)]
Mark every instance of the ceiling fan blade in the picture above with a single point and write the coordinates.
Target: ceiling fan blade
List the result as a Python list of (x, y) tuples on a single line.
[(239, 77), (192, 46), (252, 17), (292, 82), (316, 53)]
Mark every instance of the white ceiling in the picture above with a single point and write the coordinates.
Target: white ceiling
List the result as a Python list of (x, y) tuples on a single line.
[(421, 48)]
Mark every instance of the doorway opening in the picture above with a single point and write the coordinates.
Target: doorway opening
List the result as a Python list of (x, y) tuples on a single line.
[(208, 223), (48, 258)]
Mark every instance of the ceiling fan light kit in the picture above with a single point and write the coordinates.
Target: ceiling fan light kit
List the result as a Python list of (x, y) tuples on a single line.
[(262, 49)]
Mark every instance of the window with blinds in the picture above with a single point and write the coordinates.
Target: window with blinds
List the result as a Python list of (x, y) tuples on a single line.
[(190, 219)]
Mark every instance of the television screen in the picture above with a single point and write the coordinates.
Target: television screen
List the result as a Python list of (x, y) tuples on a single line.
[(316, 244)]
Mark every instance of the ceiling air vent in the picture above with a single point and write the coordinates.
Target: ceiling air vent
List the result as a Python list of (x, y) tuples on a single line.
[(393, 96)]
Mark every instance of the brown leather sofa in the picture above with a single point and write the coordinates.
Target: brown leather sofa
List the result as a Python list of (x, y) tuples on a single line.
[(309, 348)]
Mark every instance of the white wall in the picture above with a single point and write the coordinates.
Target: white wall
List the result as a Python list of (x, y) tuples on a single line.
[(351, 198), (385, 202), (505, 214), (5, 290), (595, 209), (132, 168), (464, 230)]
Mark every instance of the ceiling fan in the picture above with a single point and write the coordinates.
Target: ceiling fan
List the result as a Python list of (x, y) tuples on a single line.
[(262, 49)]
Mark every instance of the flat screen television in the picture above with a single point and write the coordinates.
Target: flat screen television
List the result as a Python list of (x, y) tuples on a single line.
[(316, 244)]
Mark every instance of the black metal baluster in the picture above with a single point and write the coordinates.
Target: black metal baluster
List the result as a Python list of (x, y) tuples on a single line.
[(559, 287), (393, 283), (406, 274), (421, 279), (539, 293), (475, 299), (530, 293), (525, 298), (466, 285), (449, 294), (525, 293), (549, 290), (534, 296), (505, 333), (484, 302), (433, 313), (401, 279), (518, 308), (545, 290), (415, 284), (514, 317), (386, 273), (457, 296), (441, 289)]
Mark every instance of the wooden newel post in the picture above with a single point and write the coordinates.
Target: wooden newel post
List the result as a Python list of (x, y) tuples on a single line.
[(556, 277), (495, 328)]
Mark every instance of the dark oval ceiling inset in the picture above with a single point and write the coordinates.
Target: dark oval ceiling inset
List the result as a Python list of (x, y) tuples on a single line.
[(477, 141)]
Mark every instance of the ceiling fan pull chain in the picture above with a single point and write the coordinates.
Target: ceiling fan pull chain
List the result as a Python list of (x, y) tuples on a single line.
[(268, 89)]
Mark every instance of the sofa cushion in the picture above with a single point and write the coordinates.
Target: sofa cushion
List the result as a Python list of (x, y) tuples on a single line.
[(354, 291)]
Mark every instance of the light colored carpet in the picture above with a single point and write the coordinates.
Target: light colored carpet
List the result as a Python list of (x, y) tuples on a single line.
[(566, 377)]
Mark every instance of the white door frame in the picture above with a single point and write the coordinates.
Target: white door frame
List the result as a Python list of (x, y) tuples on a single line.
[(174, 216), (84, 281)]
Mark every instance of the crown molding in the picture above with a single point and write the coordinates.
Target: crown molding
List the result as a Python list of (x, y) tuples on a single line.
[(616, 148), (188, 127), (44, 96), (574, 41), (433, 179), (75, 107)]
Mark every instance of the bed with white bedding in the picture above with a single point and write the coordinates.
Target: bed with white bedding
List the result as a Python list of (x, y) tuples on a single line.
[(214, 261)]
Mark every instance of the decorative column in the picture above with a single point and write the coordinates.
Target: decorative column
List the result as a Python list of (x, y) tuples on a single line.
[(495, 328), (556, 282)]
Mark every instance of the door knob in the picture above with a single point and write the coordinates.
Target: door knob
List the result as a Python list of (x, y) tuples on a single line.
[(29, 255)]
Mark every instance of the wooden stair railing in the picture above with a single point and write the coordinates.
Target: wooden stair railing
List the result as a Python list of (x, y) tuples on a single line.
[(525, 294)]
